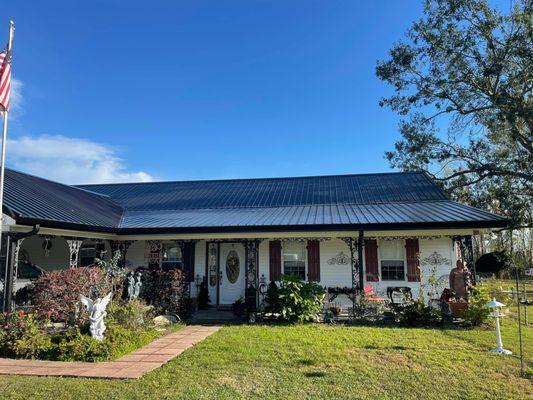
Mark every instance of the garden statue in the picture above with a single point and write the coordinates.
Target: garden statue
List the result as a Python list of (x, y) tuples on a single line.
[(138, 285), (459, 281), (96, 314), (130, 282)]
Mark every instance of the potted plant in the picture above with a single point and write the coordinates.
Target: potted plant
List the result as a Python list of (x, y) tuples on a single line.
[(457, 306), (239, 307)]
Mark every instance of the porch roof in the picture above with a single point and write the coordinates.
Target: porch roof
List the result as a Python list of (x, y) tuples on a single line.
[(370, 201)]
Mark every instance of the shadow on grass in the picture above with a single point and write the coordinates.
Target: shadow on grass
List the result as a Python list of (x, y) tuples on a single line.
[(315, 374)]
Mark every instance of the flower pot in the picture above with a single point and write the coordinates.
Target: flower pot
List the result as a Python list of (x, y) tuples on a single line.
[(457, 307)]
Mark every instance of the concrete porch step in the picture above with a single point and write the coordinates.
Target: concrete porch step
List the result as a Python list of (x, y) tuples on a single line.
[(214, 316)]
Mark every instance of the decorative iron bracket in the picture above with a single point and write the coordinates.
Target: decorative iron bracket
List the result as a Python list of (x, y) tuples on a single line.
[(74, 246)]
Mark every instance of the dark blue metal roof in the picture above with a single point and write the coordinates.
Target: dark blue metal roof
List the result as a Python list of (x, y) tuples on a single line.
[(277, 192), (29, 197), (442, 212), (372, 201)]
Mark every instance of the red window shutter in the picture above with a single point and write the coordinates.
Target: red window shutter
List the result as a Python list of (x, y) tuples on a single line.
[(413, 262), (371, 260), (313, 260), (275, 260)]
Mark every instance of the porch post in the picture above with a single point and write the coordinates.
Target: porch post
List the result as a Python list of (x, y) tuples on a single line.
[(356, 249), (360, 243), (13, 246), (251, 273), (466, 253), (12, 256), (74, 250), (469, 257)]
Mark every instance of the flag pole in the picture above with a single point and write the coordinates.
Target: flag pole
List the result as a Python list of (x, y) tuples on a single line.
[(4, 139)]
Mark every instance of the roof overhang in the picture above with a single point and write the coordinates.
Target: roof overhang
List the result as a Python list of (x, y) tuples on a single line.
[(73, 230)]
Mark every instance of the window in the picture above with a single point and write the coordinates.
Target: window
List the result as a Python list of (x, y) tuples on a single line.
[(391, 253), (172, 258), (294, 256), (89, 252)]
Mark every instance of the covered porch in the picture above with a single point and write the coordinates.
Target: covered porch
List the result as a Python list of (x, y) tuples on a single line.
[(241, 265)]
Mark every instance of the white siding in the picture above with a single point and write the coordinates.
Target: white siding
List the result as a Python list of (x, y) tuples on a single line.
[(334, 274), (264, 260), (199, 264)]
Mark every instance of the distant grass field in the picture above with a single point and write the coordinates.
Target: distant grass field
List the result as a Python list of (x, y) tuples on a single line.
[(316, 361)]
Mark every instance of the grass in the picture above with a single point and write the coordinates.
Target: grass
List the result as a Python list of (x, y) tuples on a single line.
[(316, 361)]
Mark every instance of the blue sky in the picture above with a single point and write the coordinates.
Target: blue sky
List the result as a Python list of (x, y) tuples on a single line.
[(136, 90)]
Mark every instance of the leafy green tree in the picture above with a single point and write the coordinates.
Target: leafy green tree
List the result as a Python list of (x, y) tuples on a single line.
[(462, 79)]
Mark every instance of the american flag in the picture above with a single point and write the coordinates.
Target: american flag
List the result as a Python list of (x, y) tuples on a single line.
[(5, 79)]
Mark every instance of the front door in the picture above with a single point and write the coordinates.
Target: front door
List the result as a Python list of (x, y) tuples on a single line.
[(231, 272)]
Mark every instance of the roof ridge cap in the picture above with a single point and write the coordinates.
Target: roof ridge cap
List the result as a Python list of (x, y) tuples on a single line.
[(255, 179)]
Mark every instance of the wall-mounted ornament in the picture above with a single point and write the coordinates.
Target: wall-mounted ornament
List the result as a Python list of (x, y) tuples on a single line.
[(435, 259), (340, 259), (47, 246)]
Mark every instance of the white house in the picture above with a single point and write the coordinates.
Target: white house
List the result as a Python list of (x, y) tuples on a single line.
[(385, 230)]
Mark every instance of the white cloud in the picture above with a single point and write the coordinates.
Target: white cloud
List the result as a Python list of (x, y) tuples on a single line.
[(70, 160), (17, 99)]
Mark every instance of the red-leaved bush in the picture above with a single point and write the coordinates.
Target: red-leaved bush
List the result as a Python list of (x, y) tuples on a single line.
[(167, 291), (59, 291)]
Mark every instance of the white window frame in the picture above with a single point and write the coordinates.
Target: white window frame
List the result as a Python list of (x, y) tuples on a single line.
[(386, 259), (168, 247), (304, 243)]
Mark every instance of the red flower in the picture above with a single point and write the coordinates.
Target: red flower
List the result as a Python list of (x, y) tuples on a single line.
[(21, 313), (22, 324), (48, 314)]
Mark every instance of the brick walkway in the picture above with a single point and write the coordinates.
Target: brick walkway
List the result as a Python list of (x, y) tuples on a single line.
[(130, 366)]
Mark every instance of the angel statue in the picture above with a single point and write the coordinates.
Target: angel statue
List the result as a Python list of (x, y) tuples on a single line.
[(96, 314)]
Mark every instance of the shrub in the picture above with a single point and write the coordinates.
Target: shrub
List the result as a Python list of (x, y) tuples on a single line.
[(298, 301), (76, 346), (133, 314), (271, 298), (167, 291), (60, 290), (21, 336), (33, 345), (365, 311), (476, 313), (416, 313)]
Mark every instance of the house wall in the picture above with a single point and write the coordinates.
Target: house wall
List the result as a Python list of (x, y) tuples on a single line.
[(331, 274), (339, 275)]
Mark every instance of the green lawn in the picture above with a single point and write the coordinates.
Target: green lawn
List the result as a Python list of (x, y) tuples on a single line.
[(315, 361)]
